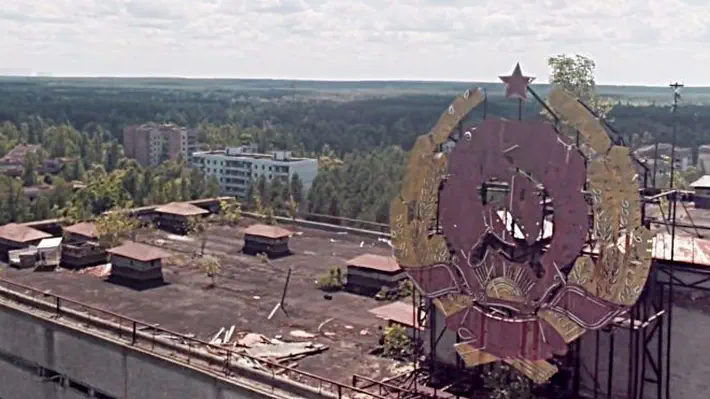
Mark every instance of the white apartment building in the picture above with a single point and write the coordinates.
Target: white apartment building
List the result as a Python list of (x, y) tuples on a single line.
[(234, 167)]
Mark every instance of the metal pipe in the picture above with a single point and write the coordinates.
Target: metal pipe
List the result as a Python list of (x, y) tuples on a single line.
[(659, 387), (596, 364), (609, 381), (544, 105), (655, 162), (629, 382), (670, 301), (485, 104)]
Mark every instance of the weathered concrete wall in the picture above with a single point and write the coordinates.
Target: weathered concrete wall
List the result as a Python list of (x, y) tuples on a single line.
[(19, 383), (29, 343)]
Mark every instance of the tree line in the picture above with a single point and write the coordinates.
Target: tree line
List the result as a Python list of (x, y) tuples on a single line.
[(361, 144)]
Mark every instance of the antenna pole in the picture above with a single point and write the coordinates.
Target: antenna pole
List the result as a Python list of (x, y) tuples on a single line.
[(676, 95)]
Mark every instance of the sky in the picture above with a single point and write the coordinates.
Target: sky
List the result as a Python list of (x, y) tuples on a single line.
[(633, 42)]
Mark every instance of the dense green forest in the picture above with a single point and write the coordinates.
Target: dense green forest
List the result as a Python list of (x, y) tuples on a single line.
[(361, 139), (95, 178)]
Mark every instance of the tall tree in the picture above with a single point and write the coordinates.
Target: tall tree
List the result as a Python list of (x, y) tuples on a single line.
[(197, 183), (113, 156), (296, 188), (275, 192), (576, 75), (212, 189), (29, 172), (251, 192), (114, 227), (41, 208), (261, 188)]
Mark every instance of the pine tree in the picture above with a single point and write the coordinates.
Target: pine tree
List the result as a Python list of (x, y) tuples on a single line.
[(296, 188), (29, 173)]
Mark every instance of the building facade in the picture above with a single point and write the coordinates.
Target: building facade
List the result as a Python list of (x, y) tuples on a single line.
[(150, 144), (683, 157), (234, 167)]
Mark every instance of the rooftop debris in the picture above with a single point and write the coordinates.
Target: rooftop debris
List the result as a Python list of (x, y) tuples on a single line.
[(321, 325), (301, 334), (96, 271), (386, 241), (280, 351), (251, 339), (262, 347)]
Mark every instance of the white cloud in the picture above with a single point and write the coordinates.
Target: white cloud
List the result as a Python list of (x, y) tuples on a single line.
[(632, 41)]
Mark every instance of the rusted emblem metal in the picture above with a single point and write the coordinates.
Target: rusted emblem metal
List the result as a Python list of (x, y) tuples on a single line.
[(523, 262)]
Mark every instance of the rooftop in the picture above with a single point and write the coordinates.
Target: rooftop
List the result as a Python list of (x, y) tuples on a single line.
[(50, 243), (17, 155), (398, 312), (649, 150), (376, 262), (245, 294), (703, 182), (19, 233), (249, 152), (139, 252), (690, 250), (85, 229), (181, 209), (159, 126), (268, 231)]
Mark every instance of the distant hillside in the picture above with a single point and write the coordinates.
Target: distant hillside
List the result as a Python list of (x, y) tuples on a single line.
[(635, 94)]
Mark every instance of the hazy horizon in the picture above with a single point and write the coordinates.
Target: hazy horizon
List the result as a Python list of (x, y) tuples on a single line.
[(633, 42), (537, 82)]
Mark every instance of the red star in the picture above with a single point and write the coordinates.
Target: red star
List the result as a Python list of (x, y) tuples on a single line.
[(516, 85)]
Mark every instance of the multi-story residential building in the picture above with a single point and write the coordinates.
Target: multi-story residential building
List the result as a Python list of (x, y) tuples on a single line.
[(234, 167), (683, 157), (152, 143)]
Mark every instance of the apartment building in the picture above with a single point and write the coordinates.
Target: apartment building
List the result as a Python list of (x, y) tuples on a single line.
[(151, 143), (234, 167), (683, 157)]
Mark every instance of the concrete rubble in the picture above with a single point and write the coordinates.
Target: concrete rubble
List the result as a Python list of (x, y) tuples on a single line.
[(262, 347), (97, 271)]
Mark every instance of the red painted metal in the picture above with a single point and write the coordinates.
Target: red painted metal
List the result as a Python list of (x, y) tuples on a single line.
[(505, 237), (516, 85)]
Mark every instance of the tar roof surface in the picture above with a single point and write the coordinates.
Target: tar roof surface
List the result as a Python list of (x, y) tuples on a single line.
[(85, 229), (181, 209), (139, 252), (246, 292), (22, 234), (384, 263)]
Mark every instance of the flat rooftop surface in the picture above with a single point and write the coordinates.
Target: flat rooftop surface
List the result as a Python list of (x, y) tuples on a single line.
[(686, 214), (246, 292)]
